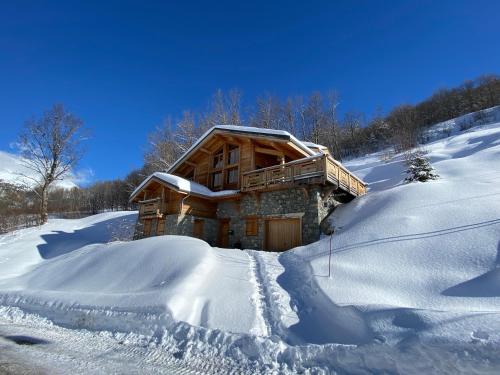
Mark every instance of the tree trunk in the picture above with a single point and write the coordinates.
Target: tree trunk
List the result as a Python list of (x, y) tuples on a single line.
[(44, 200)]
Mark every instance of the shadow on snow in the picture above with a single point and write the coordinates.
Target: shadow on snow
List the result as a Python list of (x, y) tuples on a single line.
[(485, 285), (320, 320), (59, 242)]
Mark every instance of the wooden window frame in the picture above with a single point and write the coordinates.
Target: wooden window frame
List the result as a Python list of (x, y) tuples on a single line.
[(212, 179), (224, 169), (227, 174), (251, 226), (219, 156), (230, 148)]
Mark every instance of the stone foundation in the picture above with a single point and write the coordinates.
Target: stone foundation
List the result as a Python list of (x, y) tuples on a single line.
[(306, 203)]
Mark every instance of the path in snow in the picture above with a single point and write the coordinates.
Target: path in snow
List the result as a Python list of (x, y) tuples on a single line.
[(263, 318), (275, 301)]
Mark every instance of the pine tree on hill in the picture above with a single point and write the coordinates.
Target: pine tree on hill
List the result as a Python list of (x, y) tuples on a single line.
[(419, 168)]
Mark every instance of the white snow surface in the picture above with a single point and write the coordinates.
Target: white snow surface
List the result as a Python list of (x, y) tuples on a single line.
[(414, 285), (185, 186)]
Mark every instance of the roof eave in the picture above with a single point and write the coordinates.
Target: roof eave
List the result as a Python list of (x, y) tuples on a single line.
[(215, 129)]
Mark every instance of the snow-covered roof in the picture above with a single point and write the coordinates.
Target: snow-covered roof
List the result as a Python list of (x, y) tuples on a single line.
[(244, 129), (314, 145), (184, 185)]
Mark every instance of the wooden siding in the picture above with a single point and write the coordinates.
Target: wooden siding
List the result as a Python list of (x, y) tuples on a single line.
[(199, 207), (254, 152)]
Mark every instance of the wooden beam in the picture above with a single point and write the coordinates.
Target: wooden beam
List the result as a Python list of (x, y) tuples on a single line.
[(299, 150), (281, 147), (190, 163), (269, 151)]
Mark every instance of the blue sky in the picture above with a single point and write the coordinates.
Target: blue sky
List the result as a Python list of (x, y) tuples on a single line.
[(124, 66)]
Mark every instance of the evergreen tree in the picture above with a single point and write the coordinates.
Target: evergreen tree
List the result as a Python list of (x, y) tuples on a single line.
[(419, 168)]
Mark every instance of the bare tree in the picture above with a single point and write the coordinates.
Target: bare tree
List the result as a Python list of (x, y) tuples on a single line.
[(268, 113), (224, 109), (164, 149), (331, 135), (404, 126), (51, 147)]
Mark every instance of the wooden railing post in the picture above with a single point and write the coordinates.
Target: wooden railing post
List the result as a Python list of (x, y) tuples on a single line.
[(325, 165)]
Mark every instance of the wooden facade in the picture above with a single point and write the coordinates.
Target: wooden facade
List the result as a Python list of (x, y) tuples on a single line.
[(243, 162)]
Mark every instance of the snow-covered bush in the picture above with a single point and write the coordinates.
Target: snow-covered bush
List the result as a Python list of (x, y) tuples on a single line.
[(419, 167)]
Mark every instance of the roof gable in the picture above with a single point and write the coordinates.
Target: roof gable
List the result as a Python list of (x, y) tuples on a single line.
[(247, 131)]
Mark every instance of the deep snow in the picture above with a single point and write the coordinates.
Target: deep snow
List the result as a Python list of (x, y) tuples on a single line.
[(415, 283)]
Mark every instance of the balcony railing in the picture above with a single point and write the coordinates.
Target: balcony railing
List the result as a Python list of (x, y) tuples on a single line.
[(320, 168), (150, 208)]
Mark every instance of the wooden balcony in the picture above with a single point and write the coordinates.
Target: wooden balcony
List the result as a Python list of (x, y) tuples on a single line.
[(150, 209), (318, 169)]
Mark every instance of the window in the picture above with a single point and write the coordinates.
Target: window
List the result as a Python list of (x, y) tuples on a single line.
[(251, 227), (232, 176), (233, 154), (217, 179), (218, 159)]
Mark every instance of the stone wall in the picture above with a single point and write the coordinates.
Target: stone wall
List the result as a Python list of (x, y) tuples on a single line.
[(311, 203), (182, 225), (306, 203)]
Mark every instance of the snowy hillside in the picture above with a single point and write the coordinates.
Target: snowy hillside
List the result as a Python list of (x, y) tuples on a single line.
[(414, 286), (422, 257), (11, 169)]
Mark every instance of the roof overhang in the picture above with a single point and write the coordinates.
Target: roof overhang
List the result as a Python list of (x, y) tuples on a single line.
[(154, 179), (246, 131)]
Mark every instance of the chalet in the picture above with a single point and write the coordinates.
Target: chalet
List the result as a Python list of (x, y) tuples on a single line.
[(245, 187)]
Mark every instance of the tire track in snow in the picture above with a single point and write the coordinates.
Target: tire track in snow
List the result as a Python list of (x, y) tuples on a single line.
[(85, 352)]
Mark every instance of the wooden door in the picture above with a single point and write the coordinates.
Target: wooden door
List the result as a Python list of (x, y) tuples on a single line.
[(224, 233), (147, 228), (160, 230), (198, 228), (283, 234)]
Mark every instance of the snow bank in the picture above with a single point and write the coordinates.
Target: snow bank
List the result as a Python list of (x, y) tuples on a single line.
[(22, 250), (459, 124), (412, 257), (76, 268)]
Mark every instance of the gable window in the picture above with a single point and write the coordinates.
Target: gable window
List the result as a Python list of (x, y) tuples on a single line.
[(233, 154), (217, 180), (218, 159), (232, 176)]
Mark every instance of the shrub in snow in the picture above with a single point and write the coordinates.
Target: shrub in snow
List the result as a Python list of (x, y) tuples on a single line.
[(419, 168)]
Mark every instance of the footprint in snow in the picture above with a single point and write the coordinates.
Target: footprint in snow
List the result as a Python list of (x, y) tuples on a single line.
[(479, 336)]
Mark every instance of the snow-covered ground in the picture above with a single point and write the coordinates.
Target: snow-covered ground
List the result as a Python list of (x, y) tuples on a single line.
[(414, 285)]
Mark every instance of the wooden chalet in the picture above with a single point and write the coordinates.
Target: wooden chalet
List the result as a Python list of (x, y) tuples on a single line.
[(246, 187)]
